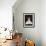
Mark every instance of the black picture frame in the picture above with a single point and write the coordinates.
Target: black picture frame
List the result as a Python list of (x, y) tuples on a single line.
[(28, 20)]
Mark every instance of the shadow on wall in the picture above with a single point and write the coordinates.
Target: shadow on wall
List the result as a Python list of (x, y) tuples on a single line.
[(28, 6)]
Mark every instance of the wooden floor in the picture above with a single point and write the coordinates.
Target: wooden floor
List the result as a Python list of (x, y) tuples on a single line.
[(9, 43)]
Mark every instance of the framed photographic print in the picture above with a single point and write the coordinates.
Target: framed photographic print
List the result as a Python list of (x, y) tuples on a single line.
[(29, 20)]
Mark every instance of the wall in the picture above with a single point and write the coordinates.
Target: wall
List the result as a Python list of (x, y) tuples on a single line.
[(6, 13), (43, 22), (28, 6)]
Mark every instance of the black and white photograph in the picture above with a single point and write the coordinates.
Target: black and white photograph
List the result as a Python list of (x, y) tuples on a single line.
[(29, 19)]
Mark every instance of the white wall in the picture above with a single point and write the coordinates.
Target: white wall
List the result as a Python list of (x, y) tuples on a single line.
[(29, 6), (43, 22), (6, 13)]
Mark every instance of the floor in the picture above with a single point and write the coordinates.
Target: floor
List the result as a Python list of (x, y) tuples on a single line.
[(9, 43)]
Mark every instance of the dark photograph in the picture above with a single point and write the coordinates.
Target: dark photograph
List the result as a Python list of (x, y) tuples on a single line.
[(29, 19)]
